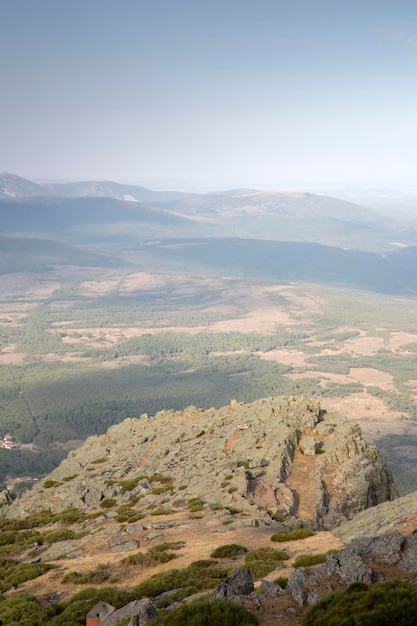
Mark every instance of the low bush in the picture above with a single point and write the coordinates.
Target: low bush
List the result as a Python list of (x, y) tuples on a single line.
[(308, 560), (207, 613), (60, 534), (189, 580), (161, 511), (228, 550), (156, 491), (195, 504), (130, 484), (292, 535), (108, 503), (95, 577), (264, 560), (13, 573), (382, 604), (156, 554), (25, 610), (48, 484)]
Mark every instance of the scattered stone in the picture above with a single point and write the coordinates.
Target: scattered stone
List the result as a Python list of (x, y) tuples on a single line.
[(120, 544), (348, 566), (271, 589), (408, 562), (153, 535), (312, 597), (240, 584), (295, 585)]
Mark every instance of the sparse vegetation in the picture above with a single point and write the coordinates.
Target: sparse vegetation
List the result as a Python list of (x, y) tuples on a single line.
[(393, 602), (264, 560), (292, 535), (100, 574), (206, 613)]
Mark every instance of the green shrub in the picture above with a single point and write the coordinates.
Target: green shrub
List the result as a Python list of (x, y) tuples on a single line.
[(13, 573), (195, 504), (48, 484), (156, 491), (308, 560), (25, 610), (281, 581), (168, 545), (160, 478), (135, 518), (228, 550), (156, 554), (161, 511), (189, 580), (292, 535), (68, 478), (60, 534), (382, 604), (203, 563), (233, 510), (129, 485), (70, 516), (207, 613), (95, 577), (108, 503), (275, 515), (264, 560)]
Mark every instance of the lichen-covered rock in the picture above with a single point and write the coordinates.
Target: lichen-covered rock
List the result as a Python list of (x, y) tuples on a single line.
[(140, 611), (239, 584), (242, 456), (408, 562), (348, 566), (385, 548), (271, 589), (309, 445), (295, 585)]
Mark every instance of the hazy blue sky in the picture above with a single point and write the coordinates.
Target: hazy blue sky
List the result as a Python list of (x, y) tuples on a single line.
[(208, 93)]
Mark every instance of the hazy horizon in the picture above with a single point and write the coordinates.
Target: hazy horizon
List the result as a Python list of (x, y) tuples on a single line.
[(211, 95)]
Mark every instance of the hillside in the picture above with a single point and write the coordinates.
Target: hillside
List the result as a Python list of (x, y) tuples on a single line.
[(216, 491), (281, 454)]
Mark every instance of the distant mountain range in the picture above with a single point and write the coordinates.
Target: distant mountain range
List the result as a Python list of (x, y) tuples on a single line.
[(12, 186), (78, 209), (267, 235)]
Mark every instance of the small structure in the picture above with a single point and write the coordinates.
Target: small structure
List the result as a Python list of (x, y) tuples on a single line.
[(98, 613)]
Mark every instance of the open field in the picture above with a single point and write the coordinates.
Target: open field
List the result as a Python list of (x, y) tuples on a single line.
[(82, 348)]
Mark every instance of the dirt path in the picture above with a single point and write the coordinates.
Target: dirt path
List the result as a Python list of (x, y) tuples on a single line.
[(303, 483)]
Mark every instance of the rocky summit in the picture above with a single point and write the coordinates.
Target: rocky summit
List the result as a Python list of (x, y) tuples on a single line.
[(281, 457)]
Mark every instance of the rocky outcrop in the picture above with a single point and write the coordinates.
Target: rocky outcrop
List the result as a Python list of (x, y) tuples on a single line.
[(282, 454), (379, 519)]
